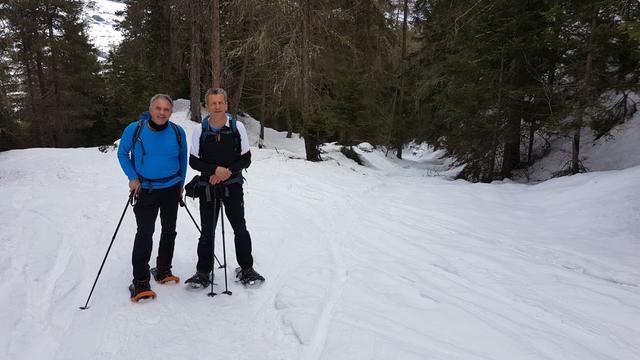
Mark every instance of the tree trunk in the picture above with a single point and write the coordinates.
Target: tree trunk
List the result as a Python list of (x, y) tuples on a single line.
[(575, 154), (31, 115), (238, 96), (532, 134), (579, 123), (582, 102), (216, 54), (175, 54), (289, 122), (194, 66), (404, 29), (496, 125), (36, 122), (511, 158), (263, 111), (399, 143), (311, 142), (58, 121), (44, 105)]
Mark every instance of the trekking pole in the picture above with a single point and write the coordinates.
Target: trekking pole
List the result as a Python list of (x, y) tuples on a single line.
[(224, 252), (129, 201), (213, 241), (182, 203)]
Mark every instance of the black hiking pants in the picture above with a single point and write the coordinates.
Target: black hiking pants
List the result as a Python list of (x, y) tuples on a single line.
[(232, 198), (146, 210)]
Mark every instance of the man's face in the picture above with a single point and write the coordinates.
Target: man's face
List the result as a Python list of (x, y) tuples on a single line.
[(160, 111), (216, 105)]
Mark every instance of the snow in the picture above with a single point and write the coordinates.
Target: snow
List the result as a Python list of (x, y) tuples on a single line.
[(389, 260), (616, 151), (101, 20)]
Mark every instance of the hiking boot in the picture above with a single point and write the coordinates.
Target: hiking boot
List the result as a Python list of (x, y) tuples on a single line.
[(199, 280), (249, 277), (140, 289), (164, 275)]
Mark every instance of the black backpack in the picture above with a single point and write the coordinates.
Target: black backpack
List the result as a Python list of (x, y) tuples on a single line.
[(196, 187), (206, 130)]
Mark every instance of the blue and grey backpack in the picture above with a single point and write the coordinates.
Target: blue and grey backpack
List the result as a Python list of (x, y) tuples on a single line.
[(142, 120)]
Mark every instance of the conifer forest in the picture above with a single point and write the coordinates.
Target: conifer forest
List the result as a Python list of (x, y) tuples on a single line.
[(485, 80)]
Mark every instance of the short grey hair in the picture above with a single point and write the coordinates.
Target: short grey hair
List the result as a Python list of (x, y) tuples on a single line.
[(160, 96), (215, 91)]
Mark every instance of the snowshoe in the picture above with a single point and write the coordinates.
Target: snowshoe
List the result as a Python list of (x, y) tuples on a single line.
[(164, 276), (140, 289), (249, 277), (198, 280)]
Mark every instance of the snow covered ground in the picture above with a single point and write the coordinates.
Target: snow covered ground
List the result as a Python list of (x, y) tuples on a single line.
[(385, 261)]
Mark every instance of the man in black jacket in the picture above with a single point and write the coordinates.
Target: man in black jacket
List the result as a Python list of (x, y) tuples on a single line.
[(220, 150)]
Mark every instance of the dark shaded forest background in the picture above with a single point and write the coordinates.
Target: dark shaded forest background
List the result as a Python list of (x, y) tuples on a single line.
[(484, 80)]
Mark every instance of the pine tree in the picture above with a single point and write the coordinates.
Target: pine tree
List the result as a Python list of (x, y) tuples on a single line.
[(56, 71), (8, 127), (195, 66), (152, 58), (599, 61)]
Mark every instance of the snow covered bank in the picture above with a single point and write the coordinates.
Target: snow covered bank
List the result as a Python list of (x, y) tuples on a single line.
[(616, 151)]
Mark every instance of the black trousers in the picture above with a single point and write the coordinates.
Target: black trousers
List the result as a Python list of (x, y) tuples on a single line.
[(233, 199), (146, 210)]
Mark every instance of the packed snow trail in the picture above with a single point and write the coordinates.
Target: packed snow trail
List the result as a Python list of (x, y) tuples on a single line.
[(360, 263)]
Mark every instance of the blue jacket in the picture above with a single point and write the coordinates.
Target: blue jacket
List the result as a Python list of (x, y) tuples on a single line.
[(163, 157)]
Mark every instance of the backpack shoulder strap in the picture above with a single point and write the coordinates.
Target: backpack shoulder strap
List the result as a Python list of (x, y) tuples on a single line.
[(142, 119), (177, 132), (232, 123), (236, 134), (205, 127), (136, 134), (135, 139), (205, 123)]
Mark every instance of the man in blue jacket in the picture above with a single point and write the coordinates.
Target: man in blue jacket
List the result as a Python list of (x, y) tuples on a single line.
[(153, 155)]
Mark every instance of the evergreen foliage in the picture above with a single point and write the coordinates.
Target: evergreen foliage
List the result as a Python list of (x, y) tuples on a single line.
[(492, 74), (481, 79), (51, 76), (151, 59)]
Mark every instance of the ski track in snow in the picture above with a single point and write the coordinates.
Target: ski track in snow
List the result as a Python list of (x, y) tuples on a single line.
[(360, 264)]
